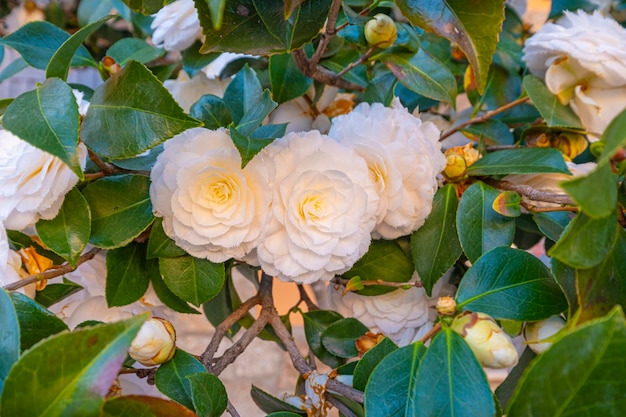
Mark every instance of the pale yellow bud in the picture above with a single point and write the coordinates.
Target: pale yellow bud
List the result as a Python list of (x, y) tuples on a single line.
[(570, 144), (155, 343), (381, 31), (491, 345), (537, 331), (446, 306)]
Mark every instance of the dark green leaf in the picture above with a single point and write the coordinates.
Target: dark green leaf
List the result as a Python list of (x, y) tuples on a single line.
[(286, 79), (340, 337), (192, 279), (553, 112), (120, 209), (36, 323), (435, 246), (217, 12), (491, 132), (614, 137), (140, 162), (133, 49), (146, 6), (13, 68), (70, 373), (68, 233), (512, 284), (222, 305), (393, 380), (370, 360), (519, 161), (596, 193), (47, 118), (552, 224), (266, 132), (243, 93), (143, 406), (127, 279), (566, 277), (160, 245), (558, 6), (119, 125), (507, 387), (380, 89), (315, 323), (208, 394), (480, 228), (592, 383), (270, 404), (194, 61), (165, 295), (212, 111), (171, 377), (247, 146), (10, 340), (53, 293)]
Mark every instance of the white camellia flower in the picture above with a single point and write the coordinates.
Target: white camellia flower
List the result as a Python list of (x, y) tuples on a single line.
[(11, 266), (187, 91), (176, 26), (210, 206), (404, 157), (33, 183), (155, 343), (583, 60), (322, 211)]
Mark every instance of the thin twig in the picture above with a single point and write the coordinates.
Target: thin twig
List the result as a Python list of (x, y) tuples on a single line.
[(493, 148), (531, 193), (431, 333), (535, 209), (232, 410), (356, 63), (481, 119), (321, 74), (104, 167), (345, 390), (304, 297), (52, 273), (366, 283), (328, 34)]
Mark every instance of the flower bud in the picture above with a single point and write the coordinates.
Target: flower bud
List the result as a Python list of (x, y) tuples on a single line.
[(368, 341), (446, 306), (491, 345), (458, 158), (570, 144), (381, 31), (537, 331), (155, 343)]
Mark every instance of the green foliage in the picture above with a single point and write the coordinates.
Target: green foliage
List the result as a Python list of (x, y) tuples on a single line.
[(10, 340), (36, 323), (127, 274), (370, 360), (286, 79), (193, 280), (553, 112), (315, 324), (133, 49), (340, 337), (53, 293), (137, 405), (208, 394), (519, 161), (271, 404), (171, 378)]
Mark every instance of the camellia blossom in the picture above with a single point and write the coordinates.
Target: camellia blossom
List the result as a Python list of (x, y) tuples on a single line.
[(33, 183), (323, 209), (583, 60), (404, 157), (186, 91), (211, 207), (11, 266), (176, 26)]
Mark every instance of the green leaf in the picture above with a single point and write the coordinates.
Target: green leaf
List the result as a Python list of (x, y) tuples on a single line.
[(384, 260), (217, 12), (36, 323), (119, 125), (134, 49), (286, 79), (585, 241), (10, 70), (423, 74), (472, 25), (507, 203), (520, 161), (340, 337), (222, 305), (243, 94), (127, 279), (70, 373), (592, 383), (91, 10), (393, 380), (54, 292), (480, 228), (59, 65), (171, 377), (566, 277), (212, 111), (558, 6), (194, 61), (553, 112), (192, 279), (370, 359), (143, 406), (595, 193), (37, 42), (68, 233), (208, 394), (146, 7), (270, 404), (48, 119), (614, 138), (247, 146), (165, 295), (160, 245), (512, 284), (380, 89), (491, 132), (435, 246), (10, 340), (450, 381), (315, 324), (120, 209), (552, 224)]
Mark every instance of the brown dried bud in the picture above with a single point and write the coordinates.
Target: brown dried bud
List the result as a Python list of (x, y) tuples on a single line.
[(368, 341), (446, 306)]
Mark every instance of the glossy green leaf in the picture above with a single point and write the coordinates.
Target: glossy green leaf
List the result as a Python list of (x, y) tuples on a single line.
[(68, 233), (38, 41), (520, 161), (592, 383), (48, 119), (217, 12), (491, 132), (552, 224), (247, 145), (171, 377), (450, 381), (14, 67), (614, 137), (134, 49), (160, 245), (394, 380), (553, 112), (165, 294), (270, 404), (10, 340), (340, 337), (55, 292), (194, 61), (54, 380), (380, 90), (120, 209), (315, 323), (595, 193), (222, 305), (585, 241), (127, 279), (59, 65), (142, 162), (212, 111), (370, 360), (146, 6), (423, 74), (143, 406), (36, 323), (243, 94), (435, 246), (472, 25), (507, 203), (286, 79), (119, 125), (512, 284), (20, 240), (192, 279), (480, 228), (566, 277), (208, 394)]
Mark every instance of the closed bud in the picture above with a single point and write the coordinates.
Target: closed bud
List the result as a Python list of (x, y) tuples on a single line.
[(155, 343), (491, 345), (570, 144), (381, 31), (446, 306), (536, 332), (458, 158)]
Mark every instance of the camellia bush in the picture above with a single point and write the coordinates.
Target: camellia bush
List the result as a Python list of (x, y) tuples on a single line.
[(447, 182)]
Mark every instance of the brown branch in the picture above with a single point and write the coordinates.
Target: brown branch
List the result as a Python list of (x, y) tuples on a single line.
[(328, 34), (531, 193), (232, 410), (345, 390), (431, 333), (481, 119), (104, 167), (343, 281), (52, 273), (344, 409), (535, 209), (304, 297), (321, 74), (356, 63)]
